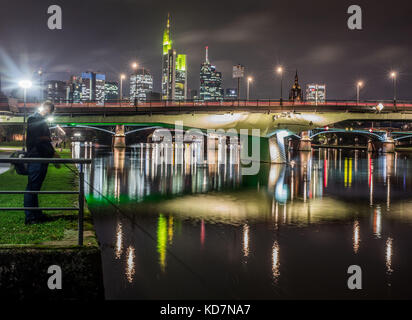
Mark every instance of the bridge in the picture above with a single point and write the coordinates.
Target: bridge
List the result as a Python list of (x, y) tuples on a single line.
[(272, 119)]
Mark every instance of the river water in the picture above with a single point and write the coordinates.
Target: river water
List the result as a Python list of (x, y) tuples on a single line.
[(195, 231)]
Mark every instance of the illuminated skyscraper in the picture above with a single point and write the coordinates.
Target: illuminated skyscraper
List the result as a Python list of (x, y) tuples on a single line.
[(74, 90), (141, 85), (55, 90), (93, 87), (316, 93), (210, 81), (181, 78), (111, 91), (174, 69)]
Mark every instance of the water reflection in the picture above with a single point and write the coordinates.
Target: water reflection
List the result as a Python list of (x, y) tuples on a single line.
[(162, 241), (275, 262), (119, 240), (130, 267), (246, 240), (306, 206), (389, 253), (356, 236)]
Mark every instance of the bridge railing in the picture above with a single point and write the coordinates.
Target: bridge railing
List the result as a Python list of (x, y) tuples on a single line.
[(70, 106)]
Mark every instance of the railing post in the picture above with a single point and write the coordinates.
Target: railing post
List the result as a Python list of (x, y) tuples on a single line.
[(81, 204)]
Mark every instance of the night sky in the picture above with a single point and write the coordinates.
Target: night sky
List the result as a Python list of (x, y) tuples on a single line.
[(311, 36)]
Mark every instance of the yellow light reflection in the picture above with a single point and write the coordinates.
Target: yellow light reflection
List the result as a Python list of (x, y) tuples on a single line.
[(389, 253), (275, 261), (246, 240), (170, 230), (130, 267), (119, 240), (162, 241), (356, 236)]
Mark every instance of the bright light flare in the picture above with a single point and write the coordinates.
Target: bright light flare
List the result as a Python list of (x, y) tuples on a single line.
[(279, 70), (134, 65), (393, 74), (379, 107), (25, 84)]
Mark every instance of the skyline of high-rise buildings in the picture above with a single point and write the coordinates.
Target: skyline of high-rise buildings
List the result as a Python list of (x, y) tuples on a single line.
[(91, 86)]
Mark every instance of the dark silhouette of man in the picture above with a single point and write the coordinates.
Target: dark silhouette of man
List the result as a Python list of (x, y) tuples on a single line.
[(38, 145)]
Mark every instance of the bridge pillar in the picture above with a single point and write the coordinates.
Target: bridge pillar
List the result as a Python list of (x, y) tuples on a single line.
[(271, 150), (277, 149), (389, 145), (305, 142), (119, 139), (372, 146)]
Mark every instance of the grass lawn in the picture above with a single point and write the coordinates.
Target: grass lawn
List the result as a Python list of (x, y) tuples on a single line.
[(12, 227), (11, 144)]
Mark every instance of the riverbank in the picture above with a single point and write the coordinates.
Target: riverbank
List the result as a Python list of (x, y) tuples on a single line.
[(27, 251)]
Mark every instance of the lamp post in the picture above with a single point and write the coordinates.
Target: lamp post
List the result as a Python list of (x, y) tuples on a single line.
[(122, 77), (40, 73), (279, 70), (393, 76), (134, 67), (359, 85), (249, 80), (24, 84)]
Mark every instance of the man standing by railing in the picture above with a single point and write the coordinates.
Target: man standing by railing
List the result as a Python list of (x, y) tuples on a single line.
[(38, 146)]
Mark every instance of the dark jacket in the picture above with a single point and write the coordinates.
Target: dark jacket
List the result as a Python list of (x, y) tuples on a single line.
[(38, 137)]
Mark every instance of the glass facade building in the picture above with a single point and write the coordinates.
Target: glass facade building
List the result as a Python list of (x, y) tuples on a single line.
[(111, 91), (55, 90), (210, 82), (141, 85), (316, 93), (93, 87), (174, 69)]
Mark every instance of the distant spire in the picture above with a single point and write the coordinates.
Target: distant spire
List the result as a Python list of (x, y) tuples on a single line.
[(207, 54), (296, 76), (168, 20)]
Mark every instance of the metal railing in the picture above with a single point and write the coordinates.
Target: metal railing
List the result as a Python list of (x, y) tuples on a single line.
[(261, 105), (80, 192)]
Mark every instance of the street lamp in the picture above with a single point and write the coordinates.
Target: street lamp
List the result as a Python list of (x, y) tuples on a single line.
[(359, 85), (134, 67), (24, 84), (40, 73), (393, 76), (279, 70), (249, 80), (122, 77)]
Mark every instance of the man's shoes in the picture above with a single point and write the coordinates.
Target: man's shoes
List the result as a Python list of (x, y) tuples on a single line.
[(39, 219)]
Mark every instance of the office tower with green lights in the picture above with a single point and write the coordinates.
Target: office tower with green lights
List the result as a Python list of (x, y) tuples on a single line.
[(174, 69)]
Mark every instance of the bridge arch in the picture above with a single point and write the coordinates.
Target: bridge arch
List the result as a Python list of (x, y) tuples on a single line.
[(84, 126), (362, 132)]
